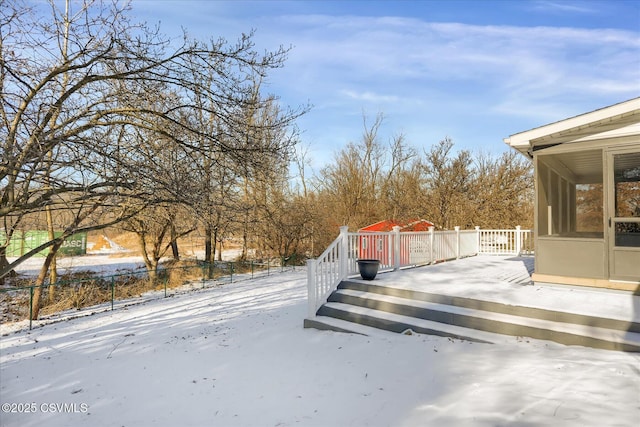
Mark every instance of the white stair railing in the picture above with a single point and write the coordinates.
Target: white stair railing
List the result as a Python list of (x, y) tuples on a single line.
[(325, 273)]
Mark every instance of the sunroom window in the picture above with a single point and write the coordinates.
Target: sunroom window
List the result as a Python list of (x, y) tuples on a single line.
[(627, 199), (570, 195)]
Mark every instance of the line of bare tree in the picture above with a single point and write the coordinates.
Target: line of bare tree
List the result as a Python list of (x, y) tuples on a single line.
[(372, 180), (106, 123)]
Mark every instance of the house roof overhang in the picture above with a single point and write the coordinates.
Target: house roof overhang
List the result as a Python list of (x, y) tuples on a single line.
[(617, 120)]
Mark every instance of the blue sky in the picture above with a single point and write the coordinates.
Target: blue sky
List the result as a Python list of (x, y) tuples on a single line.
[(474, 71)]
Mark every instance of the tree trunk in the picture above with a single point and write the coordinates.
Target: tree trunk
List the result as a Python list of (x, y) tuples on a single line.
[(174, 250), (245, 242), (53, 270), (209, 252), (245, 223), (37, 294), (4, 262), (214, 242), (150, 263), (174, 244), (152, 270)]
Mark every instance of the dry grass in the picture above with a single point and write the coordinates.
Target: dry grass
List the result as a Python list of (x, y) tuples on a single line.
[(93, 290), (84, 289), (15, 305), (77, 290)]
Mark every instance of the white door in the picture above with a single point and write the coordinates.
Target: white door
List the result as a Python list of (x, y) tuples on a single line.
[(623, 206)]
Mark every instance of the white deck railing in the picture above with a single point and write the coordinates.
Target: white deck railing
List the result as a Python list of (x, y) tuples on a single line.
[(505, 242), (397, 250)]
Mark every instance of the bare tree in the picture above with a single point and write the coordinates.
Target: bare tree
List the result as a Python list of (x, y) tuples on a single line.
[(79, 90), (76, 89), (401, 192), (368, 182), (350, 185), (502, 191), (156, 228), (287, 225), (267, 125), (448, 180)]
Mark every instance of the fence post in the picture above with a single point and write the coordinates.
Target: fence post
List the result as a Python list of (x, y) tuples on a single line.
[(343, 251), (165, 280), (311, 287), (478, 245), (457, 229), (518, 240), (30, 307), (112, 291), (431, 242), (396, 247)]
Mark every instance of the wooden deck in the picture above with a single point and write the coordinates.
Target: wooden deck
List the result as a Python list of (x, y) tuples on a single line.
[(484, 298)]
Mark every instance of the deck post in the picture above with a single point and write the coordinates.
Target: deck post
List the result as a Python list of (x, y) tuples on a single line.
[(311, 287), (431, 242), (396, 247), (343, 252), (478, 239), (457, 229), (518, 240)]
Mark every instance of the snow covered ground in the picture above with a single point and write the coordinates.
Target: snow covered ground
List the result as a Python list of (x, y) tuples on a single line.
[(107, 263), (237, 355)]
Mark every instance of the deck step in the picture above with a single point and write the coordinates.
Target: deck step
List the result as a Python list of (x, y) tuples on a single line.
[(397, 310), (326, 323), (397, 323), (492, 306)]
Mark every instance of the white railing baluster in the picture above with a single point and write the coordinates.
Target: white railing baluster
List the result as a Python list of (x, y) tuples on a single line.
[(395, 238), (311, 286)]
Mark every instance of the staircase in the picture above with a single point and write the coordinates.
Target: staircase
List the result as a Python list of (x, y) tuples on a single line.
[(361, 307)]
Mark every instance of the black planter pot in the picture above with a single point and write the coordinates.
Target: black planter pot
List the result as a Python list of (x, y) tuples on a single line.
[(368, 268)]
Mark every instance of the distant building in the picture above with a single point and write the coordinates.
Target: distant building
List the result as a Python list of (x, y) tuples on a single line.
[(22, 242), (379, 246), (388, 224)]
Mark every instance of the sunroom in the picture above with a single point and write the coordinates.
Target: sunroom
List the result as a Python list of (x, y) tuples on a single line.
[(587, 197)]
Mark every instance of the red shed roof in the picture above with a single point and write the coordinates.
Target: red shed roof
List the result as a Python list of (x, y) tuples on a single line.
[(388, 224)]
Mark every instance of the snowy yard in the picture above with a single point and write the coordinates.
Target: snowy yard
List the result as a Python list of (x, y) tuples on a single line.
[(237, 355)]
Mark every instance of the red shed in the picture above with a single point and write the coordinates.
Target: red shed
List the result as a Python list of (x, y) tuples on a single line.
[(378, 245)]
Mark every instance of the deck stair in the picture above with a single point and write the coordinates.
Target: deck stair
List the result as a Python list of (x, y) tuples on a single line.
[(362, 307)]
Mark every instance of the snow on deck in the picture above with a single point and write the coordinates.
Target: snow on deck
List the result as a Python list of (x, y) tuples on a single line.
[(507, 280)]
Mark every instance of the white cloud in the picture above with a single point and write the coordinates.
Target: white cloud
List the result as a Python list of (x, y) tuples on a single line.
[(370, 96), (443, 78), (554, 6), (388, 51), (419, 73)]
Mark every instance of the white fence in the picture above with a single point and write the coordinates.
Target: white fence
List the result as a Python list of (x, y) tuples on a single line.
[(505, 242), (397, 250)]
